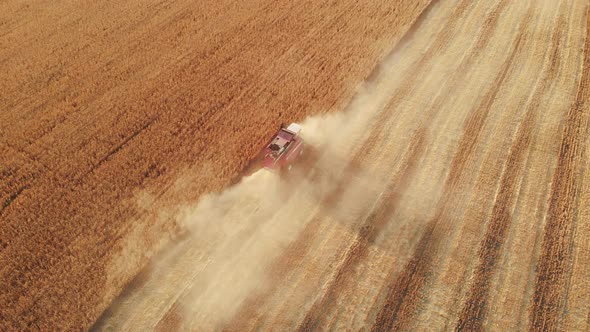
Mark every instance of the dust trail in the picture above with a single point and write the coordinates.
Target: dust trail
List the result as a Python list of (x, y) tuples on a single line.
[(235, 235), (247, 227)]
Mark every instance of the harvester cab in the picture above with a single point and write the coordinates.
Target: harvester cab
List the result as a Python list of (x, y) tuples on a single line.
[(283, 149)]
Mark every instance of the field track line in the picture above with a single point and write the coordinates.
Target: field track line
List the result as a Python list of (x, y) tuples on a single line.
[(401, 298), (474, 310), (555, 260)]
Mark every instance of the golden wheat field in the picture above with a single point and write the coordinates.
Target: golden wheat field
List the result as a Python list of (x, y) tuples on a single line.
[(445, 183)]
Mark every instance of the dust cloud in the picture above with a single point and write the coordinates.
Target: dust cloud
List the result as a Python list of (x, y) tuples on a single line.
[(242, 230), (234, 236)]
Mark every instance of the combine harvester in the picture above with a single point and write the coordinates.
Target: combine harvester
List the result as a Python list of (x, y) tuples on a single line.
[(283, 149)]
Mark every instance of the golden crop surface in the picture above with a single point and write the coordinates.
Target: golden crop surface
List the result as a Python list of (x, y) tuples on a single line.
[(445, 182)]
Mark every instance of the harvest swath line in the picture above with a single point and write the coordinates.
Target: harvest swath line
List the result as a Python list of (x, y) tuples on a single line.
[(473, 125), (474, 310), (441, 42), (405, 288), (555, 260)]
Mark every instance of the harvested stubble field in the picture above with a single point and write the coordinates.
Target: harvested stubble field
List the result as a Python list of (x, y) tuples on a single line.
[(452, 192)]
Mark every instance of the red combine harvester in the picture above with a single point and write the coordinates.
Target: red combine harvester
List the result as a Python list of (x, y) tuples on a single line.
[(284, 148)]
